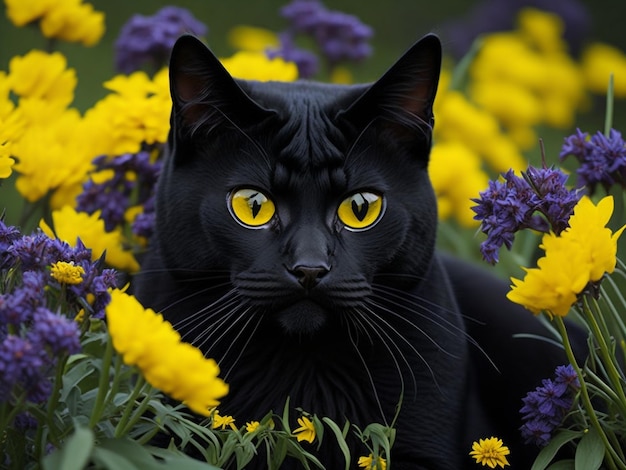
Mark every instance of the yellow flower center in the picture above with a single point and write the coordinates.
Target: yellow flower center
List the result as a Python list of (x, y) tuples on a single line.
[(67, 273)]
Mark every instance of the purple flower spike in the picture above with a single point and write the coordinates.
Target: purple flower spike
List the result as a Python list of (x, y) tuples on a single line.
[(545, 408), (149, 39), (602, 159), (537, 200)]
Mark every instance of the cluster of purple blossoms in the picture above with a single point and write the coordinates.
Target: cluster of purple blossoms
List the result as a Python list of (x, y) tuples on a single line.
[(149, 39), (133, 183), (339, 36), (545, 408), (602, 159), (537, 200), (33, 334)]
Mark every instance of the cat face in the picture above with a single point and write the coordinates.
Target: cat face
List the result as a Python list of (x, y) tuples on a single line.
[(303, 193)]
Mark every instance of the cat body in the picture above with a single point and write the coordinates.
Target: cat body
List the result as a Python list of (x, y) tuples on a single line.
[(295, 244)]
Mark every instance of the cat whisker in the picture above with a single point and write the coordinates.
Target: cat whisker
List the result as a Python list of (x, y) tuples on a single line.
[(356, 321), (394, 330), (243, 348), (207, 334), (227, 301), (432, 316)]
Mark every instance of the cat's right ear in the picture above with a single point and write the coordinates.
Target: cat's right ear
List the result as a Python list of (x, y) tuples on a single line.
[(204, 95)]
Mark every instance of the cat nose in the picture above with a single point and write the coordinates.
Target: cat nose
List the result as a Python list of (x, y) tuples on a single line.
[(309, 276)]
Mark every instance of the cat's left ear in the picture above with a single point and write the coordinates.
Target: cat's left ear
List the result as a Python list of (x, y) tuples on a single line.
[(403, 97)]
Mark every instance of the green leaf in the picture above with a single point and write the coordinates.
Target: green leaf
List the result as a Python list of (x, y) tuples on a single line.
[(562, 465), (547, 453), (112, 460), (74, 454), (340, 439), (590, 451)]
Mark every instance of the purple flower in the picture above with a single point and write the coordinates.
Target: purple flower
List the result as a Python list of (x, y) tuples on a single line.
[(56, 332), (149, 39), (20, 363), (113, 196), (545, 408), (602, 159), (537, 200), (338, 35), (306, 61)]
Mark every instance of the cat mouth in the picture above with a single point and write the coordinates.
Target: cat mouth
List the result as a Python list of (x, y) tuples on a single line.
[(302, 317)]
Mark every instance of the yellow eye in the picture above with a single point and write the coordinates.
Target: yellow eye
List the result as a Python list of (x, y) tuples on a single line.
[(251, 207), (361, 210)]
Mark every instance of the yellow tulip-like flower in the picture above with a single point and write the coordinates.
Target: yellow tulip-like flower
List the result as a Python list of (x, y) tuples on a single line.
[(70, 225), (257, 66), (370, 463), (68, 20), (306, 431), (582, 253), (147, 341), (250, 38), (252, 426), (67, 273), (490, 452)]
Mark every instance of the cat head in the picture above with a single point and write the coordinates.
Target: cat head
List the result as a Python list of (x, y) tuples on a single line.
[(305, 194)]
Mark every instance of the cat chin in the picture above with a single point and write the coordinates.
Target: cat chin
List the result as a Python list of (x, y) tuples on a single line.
[(302, 318)]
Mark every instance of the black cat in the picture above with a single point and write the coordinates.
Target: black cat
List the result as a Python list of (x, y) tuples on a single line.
[(295, 243)]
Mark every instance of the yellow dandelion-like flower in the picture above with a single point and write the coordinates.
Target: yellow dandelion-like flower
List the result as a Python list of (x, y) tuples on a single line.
[(147, 341), (70, 225), (67, 273), (222, 422), (490, 452), (370, 463), (306, 431)]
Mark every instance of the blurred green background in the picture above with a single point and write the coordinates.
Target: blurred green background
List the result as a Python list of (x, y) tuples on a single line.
[(397, 24)]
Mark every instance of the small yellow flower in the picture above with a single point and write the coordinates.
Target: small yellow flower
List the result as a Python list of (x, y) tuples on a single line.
[(490, 452), (222, 422), (151, 344), (252, 426), (67, 273), (306, 431), (370, 464)]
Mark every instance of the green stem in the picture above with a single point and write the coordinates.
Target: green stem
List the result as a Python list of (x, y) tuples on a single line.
[(122, 426), (103, 385), (608, 117), (609, 359), (609, 453)]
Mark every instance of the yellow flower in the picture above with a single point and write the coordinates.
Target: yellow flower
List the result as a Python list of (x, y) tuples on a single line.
[(70, 225), (306, 431), (222, 422), (135, 113), (582, 253), (67, 273), (252, 426), (599, 62), (370, 464), (69, 20), (490, 452), (457, 175), (147, 341), (257, 66), (43, 76), (250, 38)]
